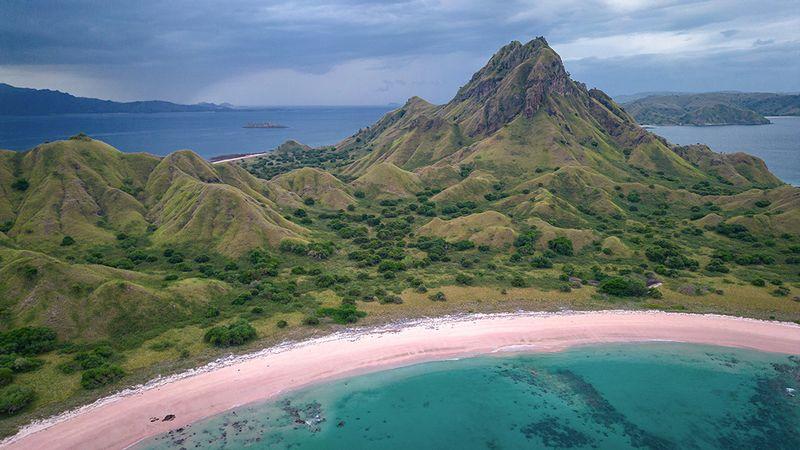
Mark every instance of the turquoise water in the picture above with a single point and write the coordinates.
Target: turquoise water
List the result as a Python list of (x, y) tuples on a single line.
[(658, 396), (778, 143)]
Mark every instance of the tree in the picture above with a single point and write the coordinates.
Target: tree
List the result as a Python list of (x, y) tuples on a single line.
[(464, 279), (236, 333), (526, 240), (101, 376), (68, 240), (6, 376), (21, 184), (623, 287), (28, 340), (541, 262), (561, 245), (14, 398)]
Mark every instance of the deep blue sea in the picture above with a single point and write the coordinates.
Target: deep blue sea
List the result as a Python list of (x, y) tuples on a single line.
[(653, 396), (778, 143), (207, 133), (212, 134)]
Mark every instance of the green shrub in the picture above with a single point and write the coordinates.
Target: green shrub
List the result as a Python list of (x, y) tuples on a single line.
[(21, 184), (623, 287), (28, 340), (760, 282), (518, 282), (67, 240), (390, 299), (6, 376), (541, 262), (755, 259), (21, 364), (716, 265), (101, 376), (781, 291), (438, 297), (526, 241), (670, 255), (160, 346), (464, 279), (282, 323), (561, 245), (311, 320), (236, 333), (735, 231), (14, 399), (344, 314)]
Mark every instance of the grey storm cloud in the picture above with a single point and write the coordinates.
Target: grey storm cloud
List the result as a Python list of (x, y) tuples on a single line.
[(374, 52)]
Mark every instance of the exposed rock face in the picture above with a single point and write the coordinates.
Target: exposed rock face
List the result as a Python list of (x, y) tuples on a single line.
[(518, 79)]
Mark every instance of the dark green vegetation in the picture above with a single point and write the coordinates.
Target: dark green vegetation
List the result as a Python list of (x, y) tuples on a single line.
[(527, 190), (715, 108)]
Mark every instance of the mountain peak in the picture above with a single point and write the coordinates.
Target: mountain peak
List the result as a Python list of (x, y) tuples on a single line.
[(517, 79)]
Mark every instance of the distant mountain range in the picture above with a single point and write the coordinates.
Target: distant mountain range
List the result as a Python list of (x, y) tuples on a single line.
[(713, 108), (35, 102)]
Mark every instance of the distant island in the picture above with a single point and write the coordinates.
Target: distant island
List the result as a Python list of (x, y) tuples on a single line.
[(713, 108), (16, 101), (264, 125)]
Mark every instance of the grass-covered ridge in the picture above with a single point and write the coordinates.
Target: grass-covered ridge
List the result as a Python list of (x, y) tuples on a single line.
[(527, 190)]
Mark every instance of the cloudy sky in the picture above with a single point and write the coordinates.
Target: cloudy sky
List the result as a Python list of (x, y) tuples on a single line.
[(297, 52)]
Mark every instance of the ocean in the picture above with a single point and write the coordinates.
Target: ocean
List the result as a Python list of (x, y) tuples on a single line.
[(213, 134), (207, 133), (653, 395), (778, 143)]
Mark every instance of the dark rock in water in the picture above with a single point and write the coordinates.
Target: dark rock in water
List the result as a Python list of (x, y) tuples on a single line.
[(168, 417), (340, 424)]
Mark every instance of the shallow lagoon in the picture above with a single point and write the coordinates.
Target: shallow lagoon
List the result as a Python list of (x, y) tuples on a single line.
[(656, 395)]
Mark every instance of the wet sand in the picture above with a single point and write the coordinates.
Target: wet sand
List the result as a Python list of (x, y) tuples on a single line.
[(122, 420)]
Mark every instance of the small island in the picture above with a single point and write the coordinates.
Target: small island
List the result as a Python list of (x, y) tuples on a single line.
[(264, 125)]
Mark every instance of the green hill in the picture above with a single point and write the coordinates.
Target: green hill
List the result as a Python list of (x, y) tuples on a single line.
[(715, 108)]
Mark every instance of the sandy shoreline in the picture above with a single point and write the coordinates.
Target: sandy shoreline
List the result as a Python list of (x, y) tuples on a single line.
[(124, 419), (237, 158)]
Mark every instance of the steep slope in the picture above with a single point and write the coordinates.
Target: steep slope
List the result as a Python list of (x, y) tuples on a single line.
[(191, 204), (387, 181), (487, 228), (318, 185), (518, 113), (94, 194), (739, 169), (80, 187)]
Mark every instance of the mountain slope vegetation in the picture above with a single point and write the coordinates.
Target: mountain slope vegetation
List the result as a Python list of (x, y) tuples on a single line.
[(526, 191), (714, 108)]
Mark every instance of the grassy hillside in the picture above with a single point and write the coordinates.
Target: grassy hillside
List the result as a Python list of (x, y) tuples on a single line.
[(526, 191)]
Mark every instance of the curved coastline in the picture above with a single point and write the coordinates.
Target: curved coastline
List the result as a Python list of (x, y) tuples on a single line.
[(124, 419)]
